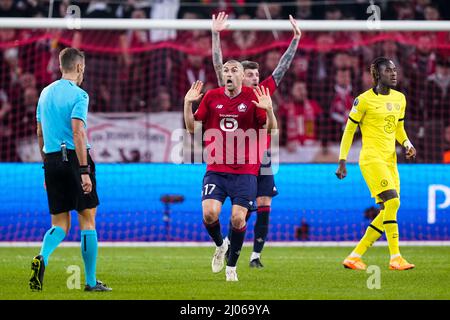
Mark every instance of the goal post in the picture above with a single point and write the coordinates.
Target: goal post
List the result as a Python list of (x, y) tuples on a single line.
[(205, 24)]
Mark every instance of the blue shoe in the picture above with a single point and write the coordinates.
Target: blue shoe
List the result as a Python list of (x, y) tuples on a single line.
[(37, 273), (100, 286)]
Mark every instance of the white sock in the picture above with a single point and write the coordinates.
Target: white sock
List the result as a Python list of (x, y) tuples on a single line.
[(255, 255), (396, 255), (230, 269), (355, 255)]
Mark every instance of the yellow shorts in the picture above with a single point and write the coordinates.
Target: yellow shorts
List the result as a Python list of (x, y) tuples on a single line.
[(379, 177)]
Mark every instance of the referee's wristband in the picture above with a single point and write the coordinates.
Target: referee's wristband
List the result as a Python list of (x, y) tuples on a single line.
[(85, 169)]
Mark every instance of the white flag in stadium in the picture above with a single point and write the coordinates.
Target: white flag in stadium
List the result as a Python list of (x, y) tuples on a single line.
[(121, 137), (132, 137)]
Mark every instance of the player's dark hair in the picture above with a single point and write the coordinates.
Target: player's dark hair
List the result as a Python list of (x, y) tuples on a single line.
[(375, 68), (69, 57), (250, 64)]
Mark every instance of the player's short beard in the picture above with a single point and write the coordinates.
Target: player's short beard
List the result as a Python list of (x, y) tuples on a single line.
[(391, 86), (388, 84)]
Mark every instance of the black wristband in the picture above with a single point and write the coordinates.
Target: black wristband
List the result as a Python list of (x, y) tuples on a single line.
[(85, 169)]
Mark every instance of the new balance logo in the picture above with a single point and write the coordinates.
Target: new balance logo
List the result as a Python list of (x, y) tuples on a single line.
[(219, 106)]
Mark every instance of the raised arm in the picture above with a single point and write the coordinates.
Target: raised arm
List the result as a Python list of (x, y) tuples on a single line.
[(289, 55), (265, 102), (218, 24), (194, 94)]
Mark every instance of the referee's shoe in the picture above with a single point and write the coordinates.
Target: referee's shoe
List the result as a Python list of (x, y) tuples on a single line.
[(37, 273), (99, 286)]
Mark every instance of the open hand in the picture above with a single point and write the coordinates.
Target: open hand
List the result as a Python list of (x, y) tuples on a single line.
[(219, 23), (264, 99), (295, 27), (194, 93)]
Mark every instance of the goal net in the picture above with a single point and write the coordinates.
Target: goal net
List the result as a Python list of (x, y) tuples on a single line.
[(136, 88)]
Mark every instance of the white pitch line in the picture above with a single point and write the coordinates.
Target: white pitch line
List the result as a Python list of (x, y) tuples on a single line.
[(163, 244)]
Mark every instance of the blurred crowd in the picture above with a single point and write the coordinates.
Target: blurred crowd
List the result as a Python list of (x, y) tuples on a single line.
[(150, 70)]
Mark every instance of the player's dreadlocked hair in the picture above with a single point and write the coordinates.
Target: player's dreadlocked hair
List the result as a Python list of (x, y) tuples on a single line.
[(375, 68)]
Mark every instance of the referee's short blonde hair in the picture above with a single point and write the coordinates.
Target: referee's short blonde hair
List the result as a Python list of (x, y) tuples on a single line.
[(69, 57)]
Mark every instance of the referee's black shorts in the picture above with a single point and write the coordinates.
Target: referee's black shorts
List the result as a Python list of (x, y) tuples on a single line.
[(63, 183)]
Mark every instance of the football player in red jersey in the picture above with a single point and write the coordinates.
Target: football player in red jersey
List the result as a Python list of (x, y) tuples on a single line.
[(266, 183), (229, 113)]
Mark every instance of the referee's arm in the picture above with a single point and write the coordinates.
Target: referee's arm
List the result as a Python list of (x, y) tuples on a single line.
[(79, 139), (40, 140)]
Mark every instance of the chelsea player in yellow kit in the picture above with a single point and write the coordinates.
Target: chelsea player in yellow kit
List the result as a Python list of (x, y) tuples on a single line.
[(380, 114)]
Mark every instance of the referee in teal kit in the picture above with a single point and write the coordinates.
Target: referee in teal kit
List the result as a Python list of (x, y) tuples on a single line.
[(69, 170)]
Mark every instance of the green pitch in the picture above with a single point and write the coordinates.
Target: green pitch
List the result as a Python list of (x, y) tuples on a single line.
[(185, 273)]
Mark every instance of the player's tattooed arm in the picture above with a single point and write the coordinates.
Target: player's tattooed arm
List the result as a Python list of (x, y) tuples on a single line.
[(217, 58), (218, 24), (289, 55)]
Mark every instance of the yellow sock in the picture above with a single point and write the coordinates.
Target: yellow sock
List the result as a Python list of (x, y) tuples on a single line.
[(390, 225), (373, 233)]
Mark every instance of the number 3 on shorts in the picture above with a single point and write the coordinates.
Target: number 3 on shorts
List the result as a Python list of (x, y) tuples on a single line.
[(209, 188)]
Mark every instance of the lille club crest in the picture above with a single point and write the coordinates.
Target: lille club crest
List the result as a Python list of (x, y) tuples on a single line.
[(242, 107)]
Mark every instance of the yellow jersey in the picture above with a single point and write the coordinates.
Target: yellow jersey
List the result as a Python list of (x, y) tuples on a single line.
[(378, 116)]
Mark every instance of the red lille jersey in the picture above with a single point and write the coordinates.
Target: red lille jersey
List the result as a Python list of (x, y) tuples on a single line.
[(269, 83), (239, 151)]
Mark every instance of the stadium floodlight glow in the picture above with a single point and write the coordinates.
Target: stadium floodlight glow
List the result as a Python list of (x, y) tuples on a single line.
[(205, 24)]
